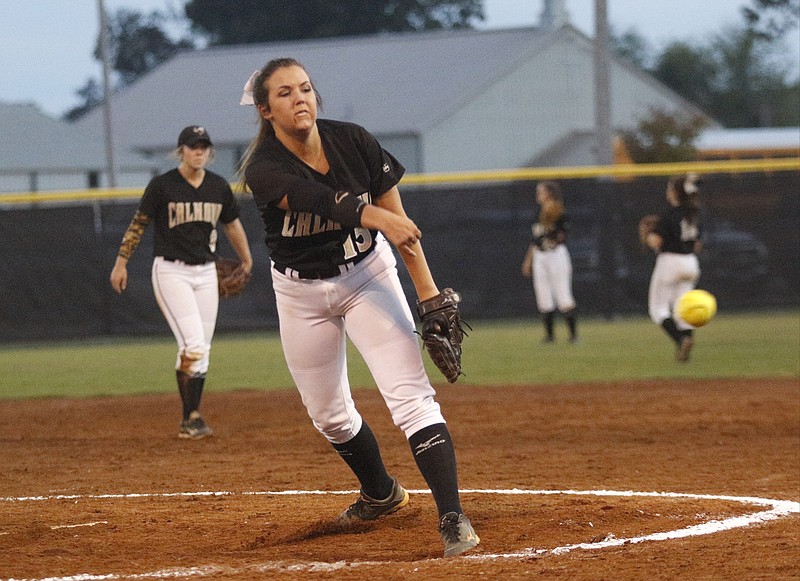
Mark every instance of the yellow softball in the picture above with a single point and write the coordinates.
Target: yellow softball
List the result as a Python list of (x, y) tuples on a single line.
[(697, 307)]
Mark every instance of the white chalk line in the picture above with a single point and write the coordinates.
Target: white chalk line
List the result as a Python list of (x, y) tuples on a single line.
[(83, 524), (777, 509)]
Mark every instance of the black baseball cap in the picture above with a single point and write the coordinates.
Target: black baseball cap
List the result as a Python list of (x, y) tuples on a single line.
[(193, 135)]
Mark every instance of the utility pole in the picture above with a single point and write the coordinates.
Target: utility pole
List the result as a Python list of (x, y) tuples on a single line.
[(111, 169), (604, 145), (604, 155)]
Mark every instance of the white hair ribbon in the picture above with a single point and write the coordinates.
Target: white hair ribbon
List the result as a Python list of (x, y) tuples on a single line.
[(249, 86)]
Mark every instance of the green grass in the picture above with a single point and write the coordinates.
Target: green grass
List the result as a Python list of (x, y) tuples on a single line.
[(495, 353)]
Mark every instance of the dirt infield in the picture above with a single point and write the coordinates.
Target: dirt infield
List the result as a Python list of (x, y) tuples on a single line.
[(102, 488)]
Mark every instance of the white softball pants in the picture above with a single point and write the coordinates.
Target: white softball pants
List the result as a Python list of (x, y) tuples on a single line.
[(673, 275), (189, 299), (366, 304), (552, 279)]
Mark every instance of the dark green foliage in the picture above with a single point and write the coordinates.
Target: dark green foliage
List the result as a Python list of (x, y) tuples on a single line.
[(664, 137), (226, 22), (771, 19), (138, 44)]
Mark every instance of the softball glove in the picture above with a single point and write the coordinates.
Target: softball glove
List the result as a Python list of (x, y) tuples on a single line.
[(442, 332), (231, 277)]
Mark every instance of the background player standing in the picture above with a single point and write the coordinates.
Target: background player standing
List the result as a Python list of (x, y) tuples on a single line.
[(185, 205), (549, 263), (676, 240), (328, 195)]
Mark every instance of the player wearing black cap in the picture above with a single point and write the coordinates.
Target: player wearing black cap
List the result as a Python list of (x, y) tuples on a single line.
[(185, 205)]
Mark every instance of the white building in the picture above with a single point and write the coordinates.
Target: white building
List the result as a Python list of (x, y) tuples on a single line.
[(39, 153), (439, 101)]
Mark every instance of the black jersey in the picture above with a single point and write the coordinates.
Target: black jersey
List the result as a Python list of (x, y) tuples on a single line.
[(548, 237), (304, 241), (185, 218), (677, 231)]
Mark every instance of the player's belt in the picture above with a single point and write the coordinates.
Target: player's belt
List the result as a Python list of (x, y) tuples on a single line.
[(189, 262), (320, 273)]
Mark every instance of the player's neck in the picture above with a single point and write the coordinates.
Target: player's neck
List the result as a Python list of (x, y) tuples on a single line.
[(306, 146), (192, 175)]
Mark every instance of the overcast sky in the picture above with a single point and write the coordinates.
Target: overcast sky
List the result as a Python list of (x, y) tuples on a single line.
[(46, 45)]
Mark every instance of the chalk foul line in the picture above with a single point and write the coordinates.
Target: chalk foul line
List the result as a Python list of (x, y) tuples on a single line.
[(774, 509)]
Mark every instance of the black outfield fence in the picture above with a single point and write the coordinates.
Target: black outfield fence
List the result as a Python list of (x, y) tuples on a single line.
[(58, 255)]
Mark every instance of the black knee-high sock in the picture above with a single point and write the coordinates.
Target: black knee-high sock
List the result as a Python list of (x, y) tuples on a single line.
[(672, 329), (196, 384), (185, 389), (191, 389), (571, 323), (548, 323), (436, 459), (363, 456)]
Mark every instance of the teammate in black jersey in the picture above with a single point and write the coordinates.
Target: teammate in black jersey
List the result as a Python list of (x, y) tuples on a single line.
[(676, 240), (548, 262), (328, 196), (185, 204)]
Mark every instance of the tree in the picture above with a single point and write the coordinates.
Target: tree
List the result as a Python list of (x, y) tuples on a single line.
[(91, 94), (752, 84), (771, 19), (664, 137), (226, 22), (633, 47), (739, 78), (692, 72), (138, 43)]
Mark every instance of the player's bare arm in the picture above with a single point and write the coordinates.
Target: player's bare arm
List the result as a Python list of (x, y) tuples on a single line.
[(238, 239), (411, 250), (526, 268), (398, 228)]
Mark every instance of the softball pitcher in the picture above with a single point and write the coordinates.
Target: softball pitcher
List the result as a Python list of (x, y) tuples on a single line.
[(185, 204), (328, 195), (675, 238), (548, 262)]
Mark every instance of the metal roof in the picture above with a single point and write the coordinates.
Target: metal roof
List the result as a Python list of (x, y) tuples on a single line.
[(32, 140), (391, 83), (761, 138)]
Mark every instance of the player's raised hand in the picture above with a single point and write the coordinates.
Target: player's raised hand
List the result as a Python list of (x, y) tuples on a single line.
[(399, 229)]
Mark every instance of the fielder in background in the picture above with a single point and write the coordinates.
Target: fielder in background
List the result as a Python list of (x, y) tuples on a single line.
[(674, 235), (327, 192), (548, 262), (185, 204)]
